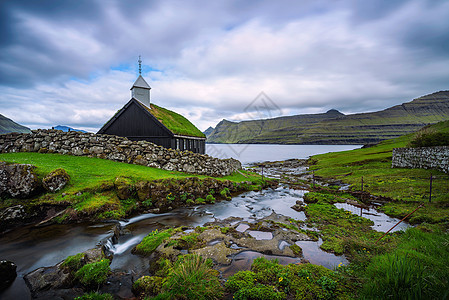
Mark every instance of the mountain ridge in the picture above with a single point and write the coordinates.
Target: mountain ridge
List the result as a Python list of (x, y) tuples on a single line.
[(7, 125), (334, 127), (67, 128)]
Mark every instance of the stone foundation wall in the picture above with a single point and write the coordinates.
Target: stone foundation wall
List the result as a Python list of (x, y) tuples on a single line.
[(117, 149), (423, 158)]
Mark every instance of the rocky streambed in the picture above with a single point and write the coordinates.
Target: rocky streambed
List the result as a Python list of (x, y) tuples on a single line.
[(232, 233)]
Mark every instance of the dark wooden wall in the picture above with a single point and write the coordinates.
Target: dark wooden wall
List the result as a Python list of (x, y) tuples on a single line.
[(137, 125), (134, 121)]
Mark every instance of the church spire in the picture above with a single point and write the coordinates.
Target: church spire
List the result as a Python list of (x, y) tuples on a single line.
[(141, 89), (140, 66)]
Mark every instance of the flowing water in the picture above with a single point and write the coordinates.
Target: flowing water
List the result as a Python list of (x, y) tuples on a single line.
[(33, 247)]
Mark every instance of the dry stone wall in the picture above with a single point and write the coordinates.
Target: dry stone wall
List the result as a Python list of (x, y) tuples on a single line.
[(423, 158), (117, 149)]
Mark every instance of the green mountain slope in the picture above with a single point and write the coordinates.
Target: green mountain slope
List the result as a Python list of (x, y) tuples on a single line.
[(334, 127), (8, 125), (208, 131), (246, 131)]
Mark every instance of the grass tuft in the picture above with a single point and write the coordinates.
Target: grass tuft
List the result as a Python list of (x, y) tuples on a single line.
[(192, 277)]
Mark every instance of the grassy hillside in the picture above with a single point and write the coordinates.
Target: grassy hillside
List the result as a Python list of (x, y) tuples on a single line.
[(8, 125), (335, 128), (409, 187), (93, 185), (410, 265), (278, 129)]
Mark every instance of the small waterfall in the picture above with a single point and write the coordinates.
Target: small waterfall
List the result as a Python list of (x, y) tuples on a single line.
[(141, 217), (120, 248)]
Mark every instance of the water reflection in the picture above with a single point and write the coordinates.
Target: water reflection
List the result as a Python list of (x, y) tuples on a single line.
[(312, 252), (382, 222)]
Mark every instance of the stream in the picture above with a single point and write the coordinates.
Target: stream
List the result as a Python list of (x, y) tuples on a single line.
[(33, 247)]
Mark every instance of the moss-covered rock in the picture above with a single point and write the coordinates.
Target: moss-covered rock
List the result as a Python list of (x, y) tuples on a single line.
[(124, 188), (143, 190), (147, 286), (152, 241), (56, 180), (62, 275), (296, 250), (74, 262), (94, 274)]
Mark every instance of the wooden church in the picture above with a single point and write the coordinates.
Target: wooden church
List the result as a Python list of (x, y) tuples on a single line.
[(140, 120)]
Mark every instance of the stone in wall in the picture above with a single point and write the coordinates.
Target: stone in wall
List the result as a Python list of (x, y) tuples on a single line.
[(117, 149), (422, 158)]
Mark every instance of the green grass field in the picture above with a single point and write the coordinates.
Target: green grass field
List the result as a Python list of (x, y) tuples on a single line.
[(410, 265), (409, 187), (87, 172), (90, 191)]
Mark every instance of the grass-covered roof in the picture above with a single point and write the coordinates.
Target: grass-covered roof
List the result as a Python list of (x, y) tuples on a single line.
[(175, 122)]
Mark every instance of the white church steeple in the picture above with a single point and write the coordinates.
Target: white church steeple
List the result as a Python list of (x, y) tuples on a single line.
[(141, 89)]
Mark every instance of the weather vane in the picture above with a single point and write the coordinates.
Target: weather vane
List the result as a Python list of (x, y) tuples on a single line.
[(140, 66)]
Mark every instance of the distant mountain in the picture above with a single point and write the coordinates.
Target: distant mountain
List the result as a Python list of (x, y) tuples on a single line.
[(8, 125), (67, 128), (334, 127), (208, 131)]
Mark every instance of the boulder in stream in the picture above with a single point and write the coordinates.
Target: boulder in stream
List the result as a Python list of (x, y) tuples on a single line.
[(7, 273), (57, 278), (46, 278)]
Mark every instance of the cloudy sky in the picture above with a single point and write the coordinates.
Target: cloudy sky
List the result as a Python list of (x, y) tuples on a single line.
[(73, 62)]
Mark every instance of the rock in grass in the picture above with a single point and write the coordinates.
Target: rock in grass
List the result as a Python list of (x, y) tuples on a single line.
[(7, 273), (56, 180), (18, 180)]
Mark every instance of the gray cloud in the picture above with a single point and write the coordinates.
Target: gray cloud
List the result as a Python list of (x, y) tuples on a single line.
[(73, 62)]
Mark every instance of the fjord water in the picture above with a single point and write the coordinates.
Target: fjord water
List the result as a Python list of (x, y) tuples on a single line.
[(252, 153)]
